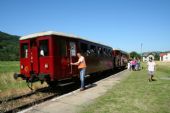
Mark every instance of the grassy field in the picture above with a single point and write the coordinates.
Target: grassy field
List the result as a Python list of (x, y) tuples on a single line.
[(163, 66), (7, 82), (8, 85), (9, 66), (136, 95)]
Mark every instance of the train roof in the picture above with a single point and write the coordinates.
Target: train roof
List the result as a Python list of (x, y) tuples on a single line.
[(46, 33), (124, 52)]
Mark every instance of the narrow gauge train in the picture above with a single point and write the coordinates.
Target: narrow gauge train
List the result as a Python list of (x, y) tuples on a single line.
[(46, 56)]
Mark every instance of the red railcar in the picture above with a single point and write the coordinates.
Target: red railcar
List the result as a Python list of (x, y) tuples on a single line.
[(120, 58), (46, 56)]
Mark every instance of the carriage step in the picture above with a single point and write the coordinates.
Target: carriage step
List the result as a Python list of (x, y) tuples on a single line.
[(65, 84)]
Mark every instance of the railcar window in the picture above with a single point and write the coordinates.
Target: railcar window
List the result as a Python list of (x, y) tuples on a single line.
[(24, 50), (104, 52), (93, 49), (44, 50), (83, 47), (62, 47), (110, 52), (99, 50), (72, 48), (107, 52)]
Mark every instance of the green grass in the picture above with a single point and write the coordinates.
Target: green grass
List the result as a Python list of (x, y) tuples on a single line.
[(136, 95), (9, 66), (7, 82), (165, 66)]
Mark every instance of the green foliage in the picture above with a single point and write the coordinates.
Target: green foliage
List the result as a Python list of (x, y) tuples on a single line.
[(134, 54), (9, 47), (157, 57)]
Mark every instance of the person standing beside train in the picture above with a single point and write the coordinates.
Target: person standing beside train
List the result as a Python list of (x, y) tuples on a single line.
[(82, 68), (129, 65)]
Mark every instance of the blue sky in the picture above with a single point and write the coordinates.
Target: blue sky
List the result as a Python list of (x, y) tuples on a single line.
[(123, 24)]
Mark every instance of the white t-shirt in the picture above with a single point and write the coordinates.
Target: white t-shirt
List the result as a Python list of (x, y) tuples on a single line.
[(128, 65), (151, 66)]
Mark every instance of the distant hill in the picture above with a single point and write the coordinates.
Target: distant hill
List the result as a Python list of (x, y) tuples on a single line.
[(9, 47)]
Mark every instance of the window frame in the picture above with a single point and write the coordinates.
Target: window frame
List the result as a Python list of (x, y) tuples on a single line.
[(23, 52), (46, 51)]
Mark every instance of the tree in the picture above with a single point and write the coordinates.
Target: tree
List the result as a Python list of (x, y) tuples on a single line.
[(157, 56), (9, 47), (134, 54)]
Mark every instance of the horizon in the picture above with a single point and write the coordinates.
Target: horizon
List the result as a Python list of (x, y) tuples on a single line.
[(120, 24)]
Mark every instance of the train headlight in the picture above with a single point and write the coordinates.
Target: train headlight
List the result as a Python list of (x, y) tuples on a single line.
[(46, 66), (22, 66)]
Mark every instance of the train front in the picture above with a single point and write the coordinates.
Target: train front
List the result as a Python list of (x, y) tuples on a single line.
[(35, 60)]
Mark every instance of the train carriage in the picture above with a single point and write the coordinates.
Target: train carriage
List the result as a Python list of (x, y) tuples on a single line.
[(120, 58), (46, 56)]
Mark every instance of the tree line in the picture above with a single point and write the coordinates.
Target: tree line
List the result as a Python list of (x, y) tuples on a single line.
[(9, 47)]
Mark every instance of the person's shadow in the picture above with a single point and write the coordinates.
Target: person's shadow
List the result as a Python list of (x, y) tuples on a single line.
[(154, 80)]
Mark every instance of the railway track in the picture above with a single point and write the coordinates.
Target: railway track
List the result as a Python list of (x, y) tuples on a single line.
[(18, 103), (14, 104), (7, 99)]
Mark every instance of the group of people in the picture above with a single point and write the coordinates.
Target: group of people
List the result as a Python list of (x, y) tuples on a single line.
[(134, 64)]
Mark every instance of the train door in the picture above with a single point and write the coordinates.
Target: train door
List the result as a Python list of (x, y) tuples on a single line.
[(72, 56), (25, 57), (45, 62), (34, 56)]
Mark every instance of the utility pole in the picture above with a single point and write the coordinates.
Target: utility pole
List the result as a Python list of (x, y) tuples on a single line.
[(141, 51), (141, 67)]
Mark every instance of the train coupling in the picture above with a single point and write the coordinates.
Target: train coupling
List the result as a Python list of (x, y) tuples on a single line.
[(19, 76)]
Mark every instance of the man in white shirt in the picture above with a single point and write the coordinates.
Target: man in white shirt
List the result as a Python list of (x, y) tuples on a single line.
[(151, 69)]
